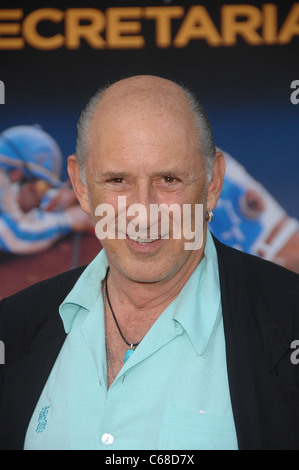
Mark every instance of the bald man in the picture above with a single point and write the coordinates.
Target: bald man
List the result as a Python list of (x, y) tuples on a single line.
[(168, 339)]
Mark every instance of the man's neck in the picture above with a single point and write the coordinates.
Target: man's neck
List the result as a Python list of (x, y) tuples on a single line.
[(138, 297)]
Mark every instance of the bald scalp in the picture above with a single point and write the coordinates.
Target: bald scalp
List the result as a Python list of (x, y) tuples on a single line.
[(143, 104), (145, 90), (135, 98)]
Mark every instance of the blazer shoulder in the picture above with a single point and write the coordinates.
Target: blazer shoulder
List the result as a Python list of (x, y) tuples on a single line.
[(257, 286), (254, 268), (23, 314)]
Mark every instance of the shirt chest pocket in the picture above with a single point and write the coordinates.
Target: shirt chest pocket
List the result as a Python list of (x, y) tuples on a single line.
[(196, 429)]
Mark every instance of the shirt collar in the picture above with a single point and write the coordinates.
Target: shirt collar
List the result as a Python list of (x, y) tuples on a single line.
[(86, 290), (198, 305), (195, 309)]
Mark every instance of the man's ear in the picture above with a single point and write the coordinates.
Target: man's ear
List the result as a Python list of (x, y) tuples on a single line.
[(79, 188), (215, 186)]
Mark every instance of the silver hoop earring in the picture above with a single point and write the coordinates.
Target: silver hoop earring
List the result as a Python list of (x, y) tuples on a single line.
[(209, 216)]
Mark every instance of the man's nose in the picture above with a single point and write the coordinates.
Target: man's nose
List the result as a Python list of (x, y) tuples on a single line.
[(140, 201), (143, 192)]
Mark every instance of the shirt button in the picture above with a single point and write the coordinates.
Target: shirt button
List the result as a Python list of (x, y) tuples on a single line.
[(107, 439)]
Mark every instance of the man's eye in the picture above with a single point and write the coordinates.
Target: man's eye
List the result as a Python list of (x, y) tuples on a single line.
[(169, 179), (116, 180)]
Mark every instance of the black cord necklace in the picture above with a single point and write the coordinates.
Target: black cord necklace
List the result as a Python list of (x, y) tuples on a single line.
[(131, 345)]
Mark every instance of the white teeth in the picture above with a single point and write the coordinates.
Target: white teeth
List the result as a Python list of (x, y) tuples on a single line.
[(143, 241)]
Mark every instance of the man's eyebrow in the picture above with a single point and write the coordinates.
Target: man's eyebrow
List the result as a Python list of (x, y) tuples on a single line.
[(174, 173), (114, 174), (165, 172)]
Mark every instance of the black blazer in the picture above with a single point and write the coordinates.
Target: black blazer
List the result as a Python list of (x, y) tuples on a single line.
[(260, 312)]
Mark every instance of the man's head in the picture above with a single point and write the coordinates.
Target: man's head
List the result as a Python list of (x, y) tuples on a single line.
[(205, 137), (147, 139)]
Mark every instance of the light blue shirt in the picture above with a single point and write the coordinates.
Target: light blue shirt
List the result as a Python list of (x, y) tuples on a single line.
[(172, 393)]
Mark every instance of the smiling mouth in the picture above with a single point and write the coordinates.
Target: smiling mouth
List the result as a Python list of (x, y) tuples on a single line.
[(144, 241)]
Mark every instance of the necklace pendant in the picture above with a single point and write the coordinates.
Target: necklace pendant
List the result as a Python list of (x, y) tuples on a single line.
[(128, 353)]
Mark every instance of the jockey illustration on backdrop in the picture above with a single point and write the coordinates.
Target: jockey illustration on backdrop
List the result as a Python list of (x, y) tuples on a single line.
[(36, 207), (248, 218)]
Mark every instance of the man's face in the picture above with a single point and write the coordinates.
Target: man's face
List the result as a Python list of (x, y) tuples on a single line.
[(149, 159), (143, 146)]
